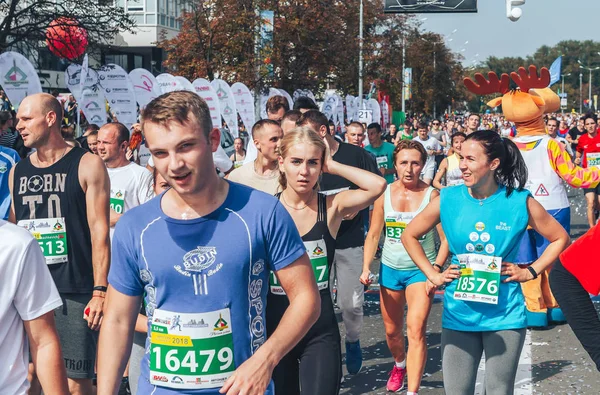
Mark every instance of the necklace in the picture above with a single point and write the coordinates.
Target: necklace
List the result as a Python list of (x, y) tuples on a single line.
[(296, 208), (63, 154)]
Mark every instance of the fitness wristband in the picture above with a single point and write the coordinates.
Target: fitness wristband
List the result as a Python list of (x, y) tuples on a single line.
[(533, 272), (100, 288), (439, 267)]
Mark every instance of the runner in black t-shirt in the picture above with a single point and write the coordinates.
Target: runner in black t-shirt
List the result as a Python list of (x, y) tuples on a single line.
[(62, 195), (575, 133)]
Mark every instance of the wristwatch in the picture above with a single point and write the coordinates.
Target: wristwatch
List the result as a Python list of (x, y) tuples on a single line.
[(533, 272)]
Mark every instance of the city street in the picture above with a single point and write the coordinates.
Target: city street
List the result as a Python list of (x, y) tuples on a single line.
[(552, 362)]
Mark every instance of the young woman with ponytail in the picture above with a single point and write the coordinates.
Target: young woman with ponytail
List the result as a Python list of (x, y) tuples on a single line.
[(314, 366), (484, 221)]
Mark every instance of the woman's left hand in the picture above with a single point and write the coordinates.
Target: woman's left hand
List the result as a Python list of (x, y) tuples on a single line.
[(515, 273), (328, 159)]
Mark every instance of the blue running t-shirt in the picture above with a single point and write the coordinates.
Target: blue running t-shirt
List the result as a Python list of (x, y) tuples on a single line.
[(8, 159), (205, 282), (481, 231)]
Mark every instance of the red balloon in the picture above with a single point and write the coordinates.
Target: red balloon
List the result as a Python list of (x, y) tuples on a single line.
[(66, 39)]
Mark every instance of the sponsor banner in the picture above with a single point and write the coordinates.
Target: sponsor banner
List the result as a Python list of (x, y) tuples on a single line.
[(168, 83), (185, 84), (244, 102), (119, 93), (93, 105), (263, 101), (385, 115), (145, 86), (303, 92), (19, 78), (338, 119), (407, 83), (555, 70), (428, 6), (265, 43), (288, 97), (85, 68), (227, 105), (74, 82), (373, 105), (204, 89), (329, 106), (351, 107)]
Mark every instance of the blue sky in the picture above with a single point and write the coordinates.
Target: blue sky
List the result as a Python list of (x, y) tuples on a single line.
[(490, 32)]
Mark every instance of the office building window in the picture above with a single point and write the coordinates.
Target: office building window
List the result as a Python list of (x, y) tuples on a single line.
[(135, 5), (120, 60)]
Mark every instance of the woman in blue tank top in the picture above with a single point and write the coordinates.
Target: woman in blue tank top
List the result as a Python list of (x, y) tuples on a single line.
[(402, 283), (314, 366), (484, 220)]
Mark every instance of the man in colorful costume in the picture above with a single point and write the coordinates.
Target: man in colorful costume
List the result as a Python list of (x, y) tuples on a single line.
[(547, 162)]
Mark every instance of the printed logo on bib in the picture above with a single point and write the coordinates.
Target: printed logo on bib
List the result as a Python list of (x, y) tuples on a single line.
[(51, 235), (542, 191), (593, 159), (197, 265), (474, 236), (480, 226), (479, 278), (117, 201), (194, 355), (317, 252)]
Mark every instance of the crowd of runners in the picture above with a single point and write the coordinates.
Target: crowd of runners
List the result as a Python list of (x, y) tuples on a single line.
[(139, 261)]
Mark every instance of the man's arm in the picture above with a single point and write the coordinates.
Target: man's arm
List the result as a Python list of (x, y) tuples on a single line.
[(298, 281), (46, 354), (96, 184), (11, 213), (116, 338), (575, 176)]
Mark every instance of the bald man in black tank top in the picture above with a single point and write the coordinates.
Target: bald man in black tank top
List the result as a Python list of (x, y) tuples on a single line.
[(61, 195)]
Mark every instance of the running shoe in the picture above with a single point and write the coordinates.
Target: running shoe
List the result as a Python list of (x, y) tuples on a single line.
[(124, 387), (353, 357), (396, 381)]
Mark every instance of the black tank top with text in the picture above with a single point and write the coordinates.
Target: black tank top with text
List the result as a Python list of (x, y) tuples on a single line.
[(55, 192)]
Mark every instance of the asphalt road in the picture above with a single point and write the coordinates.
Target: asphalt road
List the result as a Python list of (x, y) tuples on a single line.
[(553, 361)]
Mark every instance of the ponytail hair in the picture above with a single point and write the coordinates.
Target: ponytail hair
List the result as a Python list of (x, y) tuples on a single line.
[(512, 171)]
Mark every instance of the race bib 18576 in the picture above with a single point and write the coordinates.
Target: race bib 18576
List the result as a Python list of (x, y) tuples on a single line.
[(479, 278), (51, 235), (191, 351)]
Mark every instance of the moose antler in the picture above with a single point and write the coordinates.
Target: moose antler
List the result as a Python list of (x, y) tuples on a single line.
[(529, 81), (492, 85)]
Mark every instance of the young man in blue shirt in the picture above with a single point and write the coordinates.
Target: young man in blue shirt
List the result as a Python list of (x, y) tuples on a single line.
[(202, 253)]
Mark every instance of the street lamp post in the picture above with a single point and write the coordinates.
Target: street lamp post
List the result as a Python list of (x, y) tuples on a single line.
[(403, 72), (360, 58), (562, 92), (580, 92), (563, 81), (590, 69)]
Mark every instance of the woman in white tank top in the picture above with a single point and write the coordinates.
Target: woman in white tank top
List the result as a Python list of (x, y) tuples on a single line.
[(450, 165), (402, 283)]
